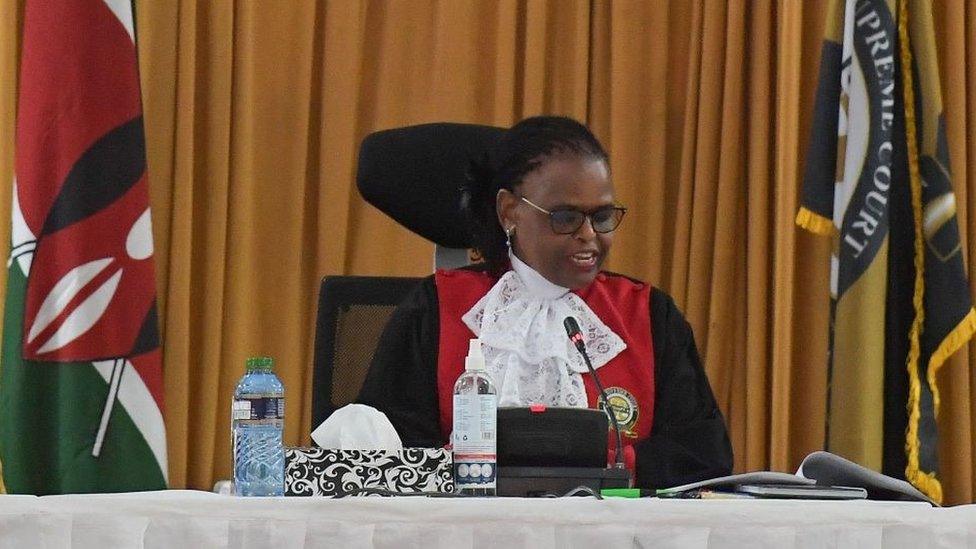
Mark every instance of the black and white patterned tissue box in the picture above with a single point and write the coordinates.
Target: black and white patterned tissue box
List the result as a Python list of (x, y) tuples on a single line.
[(328, 472)]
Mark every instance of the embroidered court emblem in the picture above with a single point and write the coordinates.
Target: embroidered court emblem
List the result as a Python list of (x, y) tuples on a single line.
[(624, 408)]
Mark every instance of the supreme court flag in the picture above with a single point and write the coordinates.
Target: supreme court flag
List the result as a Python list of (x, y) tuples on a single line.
[(877, 182)]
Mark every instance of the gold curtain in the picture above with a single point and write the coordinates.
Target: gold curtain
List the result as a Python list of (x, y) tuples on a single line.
[(254, 110)]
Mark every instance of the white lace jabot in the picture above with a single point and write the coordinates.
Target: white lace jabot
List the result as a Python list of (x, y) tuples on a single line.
[(527, 352)]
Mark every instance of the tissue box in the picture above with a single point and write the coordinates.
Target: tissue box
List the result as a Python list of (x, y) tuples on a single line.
[(328, 472)]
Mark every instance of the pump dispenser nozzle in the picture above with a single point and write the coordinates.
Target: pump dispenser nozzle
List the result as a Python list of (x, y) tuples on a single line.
[(475, 359)]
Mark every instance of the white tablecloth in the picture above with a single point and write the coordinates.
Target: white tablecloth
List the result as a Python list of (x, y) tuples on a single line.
[(186, 519)]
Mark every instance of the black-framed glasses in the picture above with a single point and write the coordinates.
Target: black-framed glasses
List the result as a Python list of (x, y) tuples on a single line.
[(604, 219)]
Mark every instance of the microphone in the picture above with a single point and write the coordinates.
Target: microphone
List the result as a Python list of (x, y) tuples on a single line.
[(576, 336)]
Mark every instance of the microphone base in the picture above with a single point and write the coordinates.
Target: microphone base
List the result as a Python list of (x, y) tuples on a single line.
[(544, 481)]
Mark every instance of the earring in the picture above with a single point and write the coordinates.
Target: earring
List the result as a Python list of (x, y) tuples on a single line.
[(509, 233)]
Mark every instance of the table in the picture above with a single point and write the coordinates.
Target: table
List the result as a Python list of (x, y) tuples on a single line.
[(188, 519)]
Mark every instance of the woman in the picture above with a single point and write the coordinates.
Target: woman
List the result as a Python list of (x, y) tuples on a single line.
[(543, 212)]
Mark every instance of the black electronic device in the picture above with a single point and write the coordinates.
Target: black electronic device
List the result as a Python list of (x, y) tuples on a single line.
[(551, 451), (538, 436)]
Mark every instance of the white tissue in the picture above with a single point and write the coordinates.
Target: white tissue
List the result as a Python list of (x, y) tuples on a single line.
[(357, 427)]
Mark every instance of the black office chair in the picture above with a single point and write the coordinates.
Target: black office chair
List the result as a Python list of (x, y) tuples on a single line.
[(414, 175), (353, 310)]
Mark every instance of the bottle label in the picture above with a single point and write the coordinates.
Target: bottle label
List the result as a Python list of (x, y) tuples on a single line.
[(475, 440), (259, 407)]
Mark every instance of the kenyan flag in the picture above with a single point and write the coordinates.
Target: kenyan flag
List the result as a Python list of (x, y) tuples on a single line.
[(81, 375)]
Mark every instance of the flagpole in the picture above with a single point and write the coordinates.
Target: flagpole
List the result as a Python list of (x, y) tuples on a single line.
[(113, 392)]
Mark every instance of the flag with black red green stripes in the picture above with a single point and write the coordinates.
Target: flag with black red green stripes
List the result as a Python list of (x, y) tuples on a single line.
[(81, 389)]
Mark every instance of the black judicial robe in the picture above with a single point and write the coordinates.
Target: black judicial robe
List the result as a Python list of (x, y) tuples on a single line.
[(688, 440)]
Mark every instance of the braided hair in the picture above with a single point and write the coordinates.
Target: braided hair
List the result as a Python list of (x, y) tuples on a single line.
[(521, 150)]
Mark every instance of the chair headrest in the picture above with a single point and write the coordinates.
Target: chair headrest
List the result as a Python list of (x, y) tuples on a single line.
[(415, 174)]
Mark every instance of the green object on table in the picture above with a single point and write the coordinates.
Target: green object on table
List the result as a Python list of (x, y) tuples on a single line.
[(621, 492)]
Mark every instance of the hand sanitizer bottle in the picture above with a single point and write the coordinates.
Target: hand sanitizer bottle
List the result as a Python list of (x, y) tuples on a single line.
[(474, 440)]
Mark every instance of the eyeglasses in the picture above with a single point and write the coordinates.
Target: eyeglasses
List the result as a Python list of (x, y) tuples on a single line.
[(567, 221)]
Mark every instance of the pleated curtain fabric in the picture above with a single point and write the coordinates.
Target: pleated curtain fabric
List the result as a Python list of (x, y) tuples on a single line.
[(254, 112)]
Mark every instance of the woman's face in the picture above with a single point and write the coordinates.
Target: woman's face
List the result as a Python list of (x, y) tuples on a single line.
[(563, 181)]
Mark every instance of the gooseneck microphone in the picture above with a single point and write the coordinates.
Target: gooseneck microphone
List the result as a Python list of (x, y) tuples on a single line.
[(576, 336)]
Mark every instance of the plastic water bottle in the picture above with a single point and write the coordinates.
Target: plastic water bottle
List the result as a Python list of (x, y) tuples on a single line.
[(474, 440), (257, 423)]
